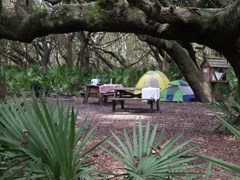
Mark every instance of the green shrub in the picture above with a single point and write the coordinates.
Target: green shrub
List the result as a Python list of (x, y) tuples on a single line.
[(63, 79), (55, 79), (227, 90), (146, 157), (41, 141), (127, 76)]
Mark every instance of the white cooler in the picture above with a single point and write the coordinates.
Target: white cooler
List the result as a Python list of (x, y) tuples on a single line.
[(95, 81), (151, 93)]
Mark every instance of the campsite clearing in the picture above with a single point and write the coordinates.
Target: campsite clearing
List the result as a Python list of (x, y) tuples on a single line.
[(192, 119)]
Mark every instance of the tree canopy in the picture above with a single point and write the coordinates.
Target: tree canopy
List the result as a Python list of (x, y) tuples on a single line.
[(144, 17), (217, 27)]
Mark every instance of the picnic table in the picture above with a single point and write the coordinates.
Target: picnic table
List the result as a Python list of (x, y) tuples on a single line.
[(102, 92), (127, 92), (122, 94)]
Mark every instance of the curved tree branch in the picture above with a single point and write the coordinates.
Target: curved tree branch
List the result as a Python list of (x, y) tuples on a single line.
[(217, 28), (177, 23)]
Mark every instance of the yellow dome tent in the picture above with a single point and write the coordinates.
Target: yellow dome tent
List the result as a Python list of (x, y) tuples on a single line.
[(152, 79)]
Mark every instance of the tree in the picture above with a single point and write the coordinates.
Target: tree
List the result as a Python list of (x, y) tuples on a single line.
[(187, 66), (217, 28), (43, 47)]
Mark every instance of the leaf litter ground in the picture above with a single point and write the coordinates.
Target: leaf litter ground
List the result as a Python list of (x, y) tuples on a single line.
[(192, 120)]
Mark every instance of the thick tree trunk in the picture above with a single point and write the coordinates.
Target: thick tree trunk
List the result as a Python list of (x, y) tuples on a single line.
[(234, 60), (186, 65), (191, 72)]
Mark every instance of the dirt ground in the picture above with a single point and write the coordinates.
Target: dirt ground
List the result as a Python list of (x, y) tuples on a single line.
[(192, 120)]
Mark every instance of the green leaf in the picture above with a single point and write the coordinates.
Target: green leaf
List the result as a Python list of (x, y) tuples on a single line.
[(232, 167), (43, 141), (230, 127), (208, 172)]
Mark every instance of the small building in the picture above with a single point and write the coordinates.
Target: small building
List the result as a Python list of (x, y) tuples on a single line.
[(215, 69)]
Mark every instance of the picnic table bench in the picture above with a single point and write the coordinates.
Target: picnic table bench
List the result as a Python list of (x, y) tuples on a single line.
[(122, 100), (127, 94)]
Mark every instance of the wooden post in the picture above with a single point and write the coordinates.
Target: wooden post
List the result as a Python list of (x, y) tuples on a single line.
[(113, 105), (157, 104), (122, 104), (86, 95), (213, 92)]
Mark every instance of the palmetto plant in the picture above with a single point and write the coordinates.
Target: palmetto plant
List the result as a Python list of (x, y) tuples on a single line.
[(61, 79), (231, 114), (56, 79), (127, 76), (18, 80), (146, 157), (42, 141), (234, 168)]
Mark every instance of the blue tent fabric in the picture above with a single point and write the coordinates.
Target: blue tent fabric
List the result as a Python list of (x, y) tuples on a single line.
[(179, 83), (183, 83), (178, 91), (188, 98), (170, 97)]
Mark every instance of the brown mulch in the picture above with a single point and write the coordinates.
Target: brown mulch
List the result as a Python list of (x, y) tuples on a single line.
[(192, 120)]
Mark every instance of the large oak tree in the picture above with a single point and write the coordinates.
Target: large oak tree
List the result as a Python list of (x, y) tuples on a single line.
[(217, 28)]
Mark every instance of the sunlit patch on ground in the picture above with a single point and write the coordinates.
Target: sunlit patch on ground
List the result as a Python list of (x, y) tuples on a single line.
[(123, 117)]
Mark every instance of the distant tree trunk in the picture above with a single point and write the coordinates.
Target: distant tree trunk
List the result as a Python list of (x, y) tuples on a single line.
[(57, 58), (157, 56), (68, 46), (96, 40), (46, 50), (43, 48), (20, 55), (83, 59)]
